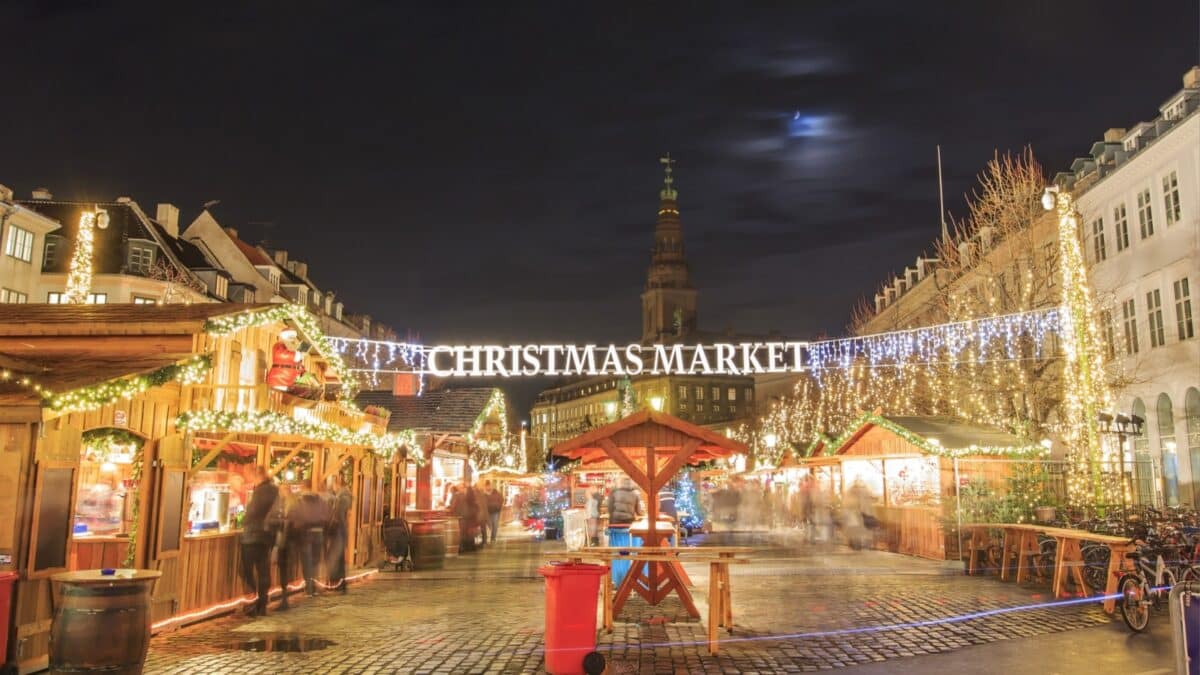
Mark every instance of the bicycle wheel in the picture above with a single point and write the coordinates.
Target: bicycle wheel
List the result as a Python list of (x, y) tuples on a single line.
[(1095, 571), (1135, 606), (1191, 573)]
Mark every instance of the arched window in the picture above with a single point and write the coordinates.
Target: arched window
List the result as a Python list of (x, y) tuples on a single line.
[(1143, 465), (1191, 407), (1166, 444)]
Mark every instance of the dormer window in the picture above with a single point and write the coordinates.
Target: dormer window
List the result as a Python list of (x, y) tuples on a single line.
[(50, 251), (141, 257), (273, 275), (222, 287)]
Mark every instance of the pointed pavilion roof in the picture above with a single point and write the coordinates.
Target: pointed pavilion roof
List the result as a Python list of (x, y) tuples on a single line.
[(666, 433)]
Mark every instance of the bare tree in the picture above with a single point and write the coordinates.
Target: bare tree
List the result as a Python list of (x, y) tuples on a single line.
[(176, 282)]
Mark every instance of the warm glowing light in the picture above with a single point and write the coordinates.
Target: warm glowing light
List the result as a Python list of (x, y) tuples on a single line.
[(656, 402), (79, 275)]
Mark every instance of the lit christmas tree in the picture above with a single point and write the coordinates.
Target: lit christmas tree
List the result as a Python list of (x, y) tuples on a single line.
[(686, 501)]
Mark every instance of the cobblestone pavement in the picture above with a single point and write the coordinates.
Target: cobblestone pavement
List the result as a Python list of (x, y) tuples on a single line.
[(796, 609)]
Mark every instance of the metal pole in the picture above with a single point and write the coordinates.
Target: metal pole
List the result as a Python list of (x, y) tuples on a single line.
[(958, 507), (1179, 634)]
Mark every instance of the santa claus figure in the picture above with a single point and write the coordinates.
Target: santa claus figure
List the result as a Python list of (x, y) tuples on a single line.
[(285, 361)]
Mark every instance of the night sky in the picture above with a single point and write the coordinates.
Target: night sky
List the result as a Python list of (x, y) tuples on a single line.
[(491, 174)]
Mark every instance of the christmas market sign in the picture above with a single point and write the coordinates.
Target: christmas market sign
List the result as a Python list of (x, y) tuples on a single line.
[(746, 358)]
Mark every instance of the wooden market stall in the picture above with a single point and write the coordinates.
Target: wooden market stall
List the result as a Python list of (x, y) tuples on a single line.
[(908, 466), (129, 434), (651, 447)]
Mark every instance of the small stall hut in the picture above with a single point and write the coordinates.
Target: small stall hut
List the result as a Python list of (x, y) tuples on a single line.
[(913, 468), (459, 432), (129, 437), (651, 447)]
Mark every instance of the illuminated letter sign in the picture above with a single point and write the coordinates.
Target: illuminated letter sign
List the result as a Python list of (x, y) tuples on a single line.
[(747, 358)]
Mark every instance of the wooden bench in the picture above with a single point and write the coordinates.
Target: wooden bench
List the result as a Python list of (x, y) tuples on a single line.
[(1068, 558), (720, 596)]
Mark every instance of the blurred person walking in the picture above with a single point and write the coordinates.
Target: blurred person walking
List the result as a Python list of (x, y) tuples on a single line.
[(337, 532), (257, 540)]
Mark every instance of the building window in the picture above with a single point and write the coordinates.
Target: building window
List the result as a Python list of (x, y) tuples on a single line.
[(716, 408), (682, 406), (699, 393), (53, 298), (699, 407), (144, 300), (716, 393), (141, 257), (749, 394), (8, 295), (19, 244), (1154, 316), (1099, 252), (222, 289), (1183, 309), (731, 394), (733, 410), (1106, 325), (1121, 224), (1130, 323), (683, 391), (1145, 214), (1171, 198), (50, 251)]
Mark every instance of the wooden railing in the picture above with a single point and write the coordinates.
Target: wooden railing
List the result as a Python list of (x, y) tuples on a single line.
[(260, 397)]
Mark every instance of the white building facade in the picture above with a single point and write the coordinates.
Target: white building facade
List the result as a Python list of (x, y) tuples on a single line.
[(1139, 197)]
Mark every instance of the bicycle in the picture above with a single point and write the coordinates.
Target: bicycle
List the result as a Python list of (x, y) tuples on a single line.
[(1138, 595)]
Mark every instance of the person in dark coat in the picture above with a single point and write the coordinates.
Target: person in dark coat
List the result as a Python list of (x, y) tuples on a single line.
[(308, 517), (257, 539), (340, 502), (286, 545)]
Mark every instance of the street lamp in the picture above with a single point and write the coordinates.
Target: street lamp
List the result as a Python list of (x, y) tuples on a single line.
[(656, 402), (1120, 425)]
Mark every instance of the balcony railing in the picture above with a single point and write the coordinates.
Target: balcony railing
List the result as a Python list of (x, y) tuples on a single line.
[(260, 397)]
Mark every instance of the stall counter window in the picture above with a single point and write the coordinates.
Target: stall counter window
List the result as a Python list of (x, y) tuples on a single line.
[(107, 489), (447, 470), (219, 493)]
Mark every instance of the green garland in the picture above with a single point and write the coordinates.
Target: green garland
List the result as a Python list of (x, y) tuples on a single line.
[(267, 422), (97, 396), (139, 461), (304, 321)]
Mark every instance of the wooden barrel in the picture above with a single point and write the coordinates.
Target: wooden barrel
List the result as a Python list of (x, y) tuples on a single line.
[(428, 545), (453, 536), (101, 623)]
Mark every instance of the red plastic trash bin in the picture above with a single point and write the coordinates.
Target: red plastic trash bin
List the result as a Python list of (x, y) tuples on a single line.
[(7, 579), (571, 591)]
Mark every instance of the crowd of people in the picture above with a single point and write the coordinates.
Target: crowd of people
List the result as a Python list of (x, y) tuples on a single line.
[(280, 526), (478, 509), (749, 505)]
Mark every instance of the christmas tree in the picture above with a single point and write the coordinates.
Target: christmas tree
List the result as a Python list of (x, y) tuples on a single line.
[(686, 501)]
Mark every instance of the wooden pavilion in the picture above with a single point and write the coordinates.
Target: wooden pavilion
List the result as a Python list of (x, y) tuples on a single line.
[(651, 447)]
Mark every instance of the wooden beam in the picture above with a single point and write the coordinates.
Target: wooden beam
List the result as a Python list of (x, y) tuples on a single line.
[(335, 464), (675, 463), (83, 346), (212, 454), (623, 461)]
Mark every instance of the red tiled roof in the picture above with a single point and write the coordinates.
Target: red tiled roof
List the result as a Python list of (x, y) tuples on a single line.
[(255, 256)]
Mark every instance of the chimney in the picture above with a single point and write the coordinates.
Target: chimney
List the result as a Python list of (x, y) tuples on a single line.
[(1114, 135), (6, 193), (281, 258), (300, 269), (1191, 79), (168, 217), (232, 232), (42, 194), (124, 199), (406, 384)]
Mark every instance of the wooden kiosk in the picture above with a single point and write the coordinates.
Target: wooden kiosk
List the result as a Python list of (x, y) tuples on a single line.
[(651, 447), (177, 404)]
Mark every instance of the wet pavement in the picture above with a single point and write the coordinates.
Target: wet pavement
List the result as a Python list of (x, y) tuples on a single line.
[(797, 609)]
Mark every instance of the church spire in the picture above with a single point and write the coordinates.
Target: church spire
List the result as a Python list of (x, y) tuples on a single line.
[(668, 192)]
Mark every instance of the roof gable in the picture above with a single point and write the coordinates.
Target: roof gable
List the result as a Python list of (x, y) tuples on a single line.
[(452, 411)]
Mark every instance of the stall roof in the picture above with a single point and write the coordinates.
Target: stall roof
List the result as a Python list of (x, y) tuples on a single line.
[(65, 372), (649, 428), (951, 434), (449, 411), (113, 319)]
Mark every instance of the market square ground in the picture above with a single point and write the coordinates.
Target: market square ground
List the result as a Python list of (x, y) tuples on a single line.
[(798, 609)]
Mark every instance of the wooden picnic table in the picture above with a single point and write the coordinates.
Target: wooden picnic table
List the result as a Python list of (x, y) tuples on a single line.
[(719, 558), (1068, 557)]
